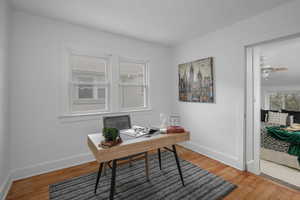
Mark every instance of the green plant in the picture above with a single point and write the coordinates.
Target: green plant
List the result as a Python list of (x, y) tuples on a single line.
[(110, 134)]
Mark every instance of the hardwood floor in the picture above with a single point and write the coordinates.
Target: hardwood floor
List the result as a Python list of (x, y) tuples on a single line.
[(249, 185)]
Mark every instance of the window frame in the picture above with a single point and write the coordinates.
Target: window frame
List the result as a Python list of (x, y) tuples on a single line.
[(145, 85), (112, 81), (105, 84)]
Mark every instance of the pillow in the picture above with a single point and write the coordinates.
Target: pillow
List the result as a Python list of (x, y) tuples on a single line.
[(277, 118), (296, 115), (264, 114)]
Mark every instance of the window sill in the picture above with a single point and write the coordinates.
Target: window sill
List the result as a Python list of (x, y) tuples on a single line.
[(97, 114)]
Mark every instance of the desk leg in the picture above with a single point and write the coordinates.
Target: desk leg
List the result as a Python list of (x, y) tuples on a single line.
[(98, 177), (178, 164), (159, 158), (113, 180), (147, 166)]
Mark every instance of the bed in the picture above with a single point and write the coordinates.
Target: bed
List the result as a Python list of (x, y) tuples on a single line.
[(276, 150)]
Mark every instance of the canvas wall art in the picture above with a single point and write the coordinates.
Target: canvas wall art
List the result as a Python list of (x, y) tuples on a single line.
[(196, 81)]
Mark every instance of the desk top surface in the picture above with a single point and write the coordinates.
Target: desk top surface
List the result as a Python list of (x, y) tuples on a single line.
[(131, 146), (96, 138)]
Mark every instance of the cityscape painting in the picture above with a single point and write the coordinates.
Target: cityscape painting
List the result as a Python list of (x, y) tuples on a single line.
[(196, 81)]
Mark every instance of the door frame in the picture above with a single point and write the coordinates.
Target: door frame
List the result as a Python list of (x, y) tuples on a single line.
[(253, 103)]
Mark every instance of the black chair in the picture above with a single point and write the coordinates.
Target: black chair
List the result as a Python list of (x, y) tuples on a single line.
[(119, 122)]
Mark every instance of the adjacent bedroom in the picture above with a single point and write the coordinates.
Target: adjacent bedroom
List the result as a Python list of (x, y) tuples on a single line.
[(280, 111)]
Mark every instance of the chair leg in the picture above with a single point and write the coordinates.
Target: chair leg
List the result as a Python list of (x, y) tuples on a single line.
[(178, 164), (147, 166), (104, 168), (113, 180), (159, 158), (98, 177)]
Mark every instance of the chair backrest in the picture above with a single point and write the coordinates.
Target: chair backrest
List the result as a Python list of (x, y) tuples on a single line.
[(118, 122)]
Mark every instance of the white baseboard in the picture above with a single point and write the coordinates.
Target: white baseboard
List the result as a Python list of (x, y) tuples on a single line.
[(4, 188), (253, 167), (41, 169), (250, 166), (51, 166), (219, 156)]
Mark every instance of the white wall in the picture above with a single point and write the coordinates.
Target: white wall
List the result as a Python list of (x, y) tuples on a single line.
[(283, 54), (41, 140), (217, 129), (4, 136)]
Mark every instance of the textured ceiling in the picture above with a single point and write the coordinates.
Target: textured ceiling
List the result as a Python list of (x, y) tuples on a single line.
[(167, 22), (286, 54)]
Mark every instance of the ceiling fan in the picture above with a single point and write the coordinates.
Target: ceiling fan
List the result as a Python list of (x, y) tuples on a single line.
[(266, 70)]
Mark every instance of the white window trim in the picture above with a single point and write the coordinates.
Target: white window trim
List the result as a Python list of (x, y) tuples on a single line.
[(106, 83), (112, 98), (66, 83), (145, 84)]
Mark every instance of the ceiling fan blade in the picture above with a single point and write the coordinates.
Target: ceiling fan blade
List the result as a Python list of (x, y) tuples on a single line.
[(267, 68), (279, 69)]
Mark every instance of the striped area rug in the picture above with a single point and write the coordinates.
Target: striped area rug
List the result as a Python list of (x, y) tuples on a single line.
[(131, 183)]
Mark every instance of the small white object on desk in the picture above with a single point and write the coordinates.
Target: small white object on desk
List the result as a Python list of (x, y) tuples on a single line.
[(163, 130), (163, 120)]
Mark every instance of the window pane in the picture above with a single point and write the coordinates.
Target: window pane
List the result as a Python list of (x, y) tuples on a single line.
[(88, 106), (132, 96), (133, 84), (85, 92), (89, 99), (132, 72), (101, 93), (276, 101), (292, 102), (83, 79), (88, 65)]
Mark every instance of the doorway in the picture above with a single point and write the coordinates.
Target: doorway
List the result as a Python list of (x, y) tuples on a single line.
[(272, 93)]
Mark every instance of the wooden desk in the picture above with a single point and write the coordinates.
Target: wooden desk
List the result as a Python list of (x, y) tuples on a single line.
[(131, 147)]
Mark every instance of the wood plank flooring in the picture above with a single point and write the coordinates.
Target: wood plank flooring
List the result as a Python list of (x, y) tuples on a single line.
[(249, 185)]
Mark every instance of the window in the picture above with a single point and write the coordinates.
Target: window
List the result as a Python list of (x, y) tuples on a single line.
[(287, 100), (133, 84), (276, 101), (89, 85), (292, 101), (98, 84)]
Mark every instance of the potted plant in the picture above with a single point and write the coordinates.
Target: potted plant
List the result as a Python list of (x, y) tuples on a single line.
[(112, 137)]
